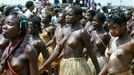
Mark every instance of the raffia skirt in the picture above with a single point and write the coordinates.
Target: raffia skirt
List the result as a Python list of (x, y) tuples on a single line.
[(101, 61), (74, 66), (123, 73)]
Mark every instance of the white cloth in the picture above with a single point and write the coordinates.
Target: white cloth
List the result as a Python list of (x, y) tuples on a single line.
[(28, 14)]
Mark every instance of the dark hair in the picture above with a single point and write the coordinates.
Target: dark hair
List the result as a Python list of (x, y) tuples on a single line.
[(92, 12), (22, 23), (49, 15), (105, 9), (101, 17), (77, 10), (29, 4), (36, 22), (118, 18), (63, 13)]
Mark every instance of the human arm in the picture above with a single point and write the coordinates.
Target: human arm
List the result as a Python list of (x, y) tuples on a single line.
[(2, 67), (51, 42), (86, 40), (33, 59), (104, 71), (55, 54)]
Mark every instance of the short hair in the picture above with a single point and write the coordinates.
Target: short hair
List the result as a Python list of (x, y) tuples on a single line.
[(92, 12), (49, 15), (36, 22), (29, 4), (101, 17), (22, 23), (77, 10), (118, 18)]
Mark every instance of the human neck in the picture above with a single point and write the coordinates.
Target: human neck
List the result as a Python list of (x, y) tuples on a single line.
[(62, 25), (13, 42), (99, 28), (124, 36), (46, 25), (75, 24)]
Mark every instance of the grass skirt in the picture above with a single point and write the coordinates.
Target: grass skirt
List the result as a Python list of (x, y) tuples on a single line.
[(101, 61), (74, 66)]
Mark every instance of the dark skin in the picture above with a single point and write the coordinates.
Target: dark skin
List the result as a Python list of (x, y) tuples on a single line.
[(58, 31), (100, 38), (45, 22), (119, 60), (36, 41), (56, 38), (89, 25), (3, 41), (74, 38), (24, 63)]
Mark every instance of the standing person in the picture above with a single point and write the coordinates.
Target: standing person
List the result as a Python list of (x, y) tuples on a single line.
[(89, 25), (3, 42), (19, 58), (100, 39), (30, 7), (121, 49), (47, 29), (35, 40), (47, 33), (72, 44), (56, 39)]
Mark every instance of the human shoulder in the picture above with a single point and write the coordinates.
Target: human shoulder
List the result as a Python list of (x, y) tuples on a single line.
[(83, 32), (30, 51), (132, 43)]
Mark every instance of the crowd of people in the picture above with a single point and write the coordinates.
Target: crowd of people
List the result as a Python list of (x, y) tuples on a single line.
[(51, 40)]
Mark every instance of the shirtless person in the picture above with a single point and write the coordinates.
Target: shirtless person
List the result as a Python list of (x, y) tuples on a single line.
[(19, 58), (3, 41), (56, 38), (100, 39), (121, 48), (74, 40), (35, 40)]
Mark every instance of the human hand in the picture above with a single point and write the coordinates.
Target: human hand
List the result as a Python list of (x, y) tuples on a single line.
[(41, 70)]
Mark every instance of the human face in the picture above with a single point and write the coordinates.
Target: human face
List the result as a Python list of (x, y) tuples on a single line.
[(61, 18), (30, 28), (44, 18), (1, 25), (116, 30), (96, 22), (89, 16), (10, 28), (71, 17)]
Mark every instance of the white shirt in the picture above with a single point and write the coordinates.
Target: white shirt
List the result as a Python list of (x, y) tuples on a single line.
[(28, 14)]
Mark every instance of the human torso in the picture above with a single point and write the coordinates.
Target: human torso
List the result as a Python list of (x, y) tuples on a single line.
[(74, 46), (46, 34), (19, 62), (58, 34), (100, 43), (89, 26), (120, 57), (35, 41)]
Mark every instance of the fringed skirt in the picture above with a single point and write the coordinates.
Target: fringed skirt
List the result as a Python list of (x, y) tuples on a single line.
[(101, 61), (74, 66)]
